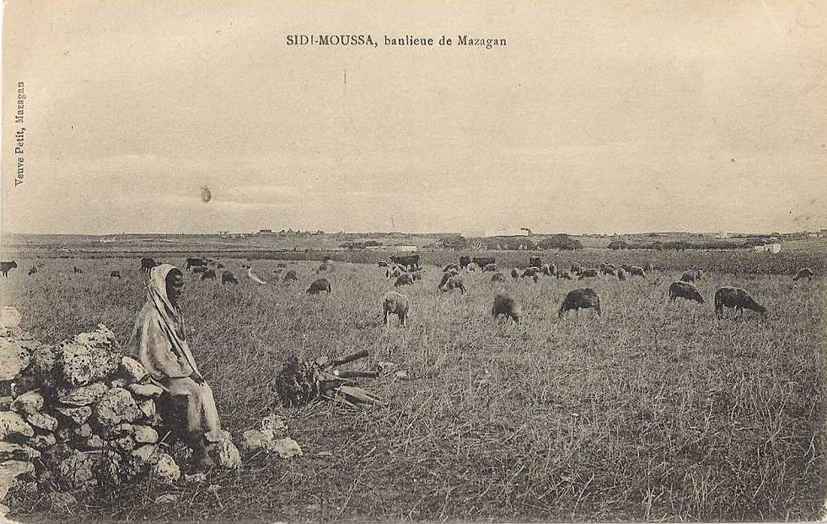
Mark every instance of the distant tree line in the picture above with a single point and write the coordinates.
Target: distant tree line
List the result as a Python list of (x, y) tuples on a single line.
[(680, 245)]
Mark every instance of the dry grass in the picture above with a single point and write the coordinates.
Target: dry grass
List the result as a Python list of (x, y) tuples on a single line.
[(655, 411)]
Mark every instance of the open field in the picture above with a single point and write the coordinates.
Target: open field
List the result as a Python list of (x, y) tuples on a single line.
[(654, 411)]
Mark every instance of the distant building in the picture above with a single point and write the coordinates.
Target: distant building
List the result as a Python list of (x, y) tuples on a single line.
[(265, 232), (769, 248), (405, 248), (723, 234)]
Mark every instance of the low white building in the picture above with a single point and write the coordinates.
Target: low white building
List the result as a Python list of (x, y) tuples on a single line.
[(769, 248), (405, 249)]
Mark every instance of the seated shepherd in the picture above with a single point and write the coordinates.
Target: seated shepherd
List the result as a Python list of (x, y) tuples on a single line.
[(159, 342)]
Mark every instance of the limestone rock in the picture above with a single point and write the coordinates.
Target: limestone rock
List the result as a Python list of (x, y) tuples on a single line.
[(43, 441), (94, 442), (274, 423), (12, 451), (145, 390), (147, 407), (166, 470), (13, 359), (29, 402), (254, 440), (13, 425), (10, 317), (77, 415), (42, 421), (132, 370), (5, 403), (124, 443), (224, 453), (84, 364), (145, 435), (287, 448), (217, 436), (83, 431), (118, 383), (83, 396), (101, 338), (116, 406), (121, 430)]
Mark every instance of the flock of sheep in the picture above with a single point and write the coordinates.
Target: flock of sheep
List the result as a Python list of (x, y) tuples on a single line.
[(394, 302)]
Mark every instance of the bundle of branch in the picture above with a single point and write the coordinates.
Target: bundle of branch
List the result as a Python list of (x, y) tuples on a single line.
[(300, 382)]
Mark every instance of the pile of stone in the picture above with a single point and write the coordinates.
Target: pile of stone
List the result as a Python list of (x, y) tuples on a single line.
[(80, 414)]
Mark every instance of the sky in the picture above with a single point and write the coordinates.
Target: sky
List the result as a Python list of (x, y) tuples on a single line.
[(597, 117)]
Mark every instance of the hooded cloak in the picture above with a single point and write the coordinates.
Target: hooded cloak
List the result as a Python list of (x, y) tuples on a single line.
[(158, 339)]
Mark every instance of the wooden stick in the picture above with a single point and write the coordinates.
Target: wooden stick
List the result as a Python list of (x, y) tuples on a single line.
[(349, 358)]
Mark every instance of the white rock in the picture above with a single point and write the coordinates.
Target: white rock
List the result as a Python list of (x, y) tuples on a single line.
[(83, 396), (147, 407), (43, 441), (167, 498), (145, 435), (287, 448), (254, 440), (77, 415), (132, 370), (13, 425), (116, 406), (224, 453), (42, 421), (13, 359), (145, 390), (29, 402), (166, 470), (145, 455)]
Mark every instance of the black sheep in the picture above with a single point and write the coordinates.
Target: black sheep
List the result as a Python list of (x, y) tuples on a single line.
[(735, 297), (505, 305), (319, 285), (578, 299), (685, 290)]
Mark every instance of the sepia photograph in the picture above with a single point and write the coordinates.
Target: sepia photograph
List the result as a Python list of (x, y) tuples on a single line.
[(362, 261)]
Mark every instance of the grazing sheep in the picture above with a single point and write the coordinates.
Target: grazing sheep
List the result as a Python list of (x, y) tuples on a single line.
[(515, 273), (76, 269), (290, 276), (208, 275), (472, 267), (5, 267), (578, 299), (552, 269), (535, 262), (607, 269), (637, 271), (575, 268), (610, 271), (804, 273), (323, 267), (114, 274), (318, 286), (147, 264), (228, 277), (445, 278), (450, 267), (533, 272), (405, 279), (396, 304), (626, 267), (505, 305), (692, 275), (685, 290), (588, 273), (621, 275), (546, 270), (454, 282), (565, 275), (382, 263), (739, 299), (490, 267), (281, 264), (497, 277), (417, 275), (199, 269), (649, 267)]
